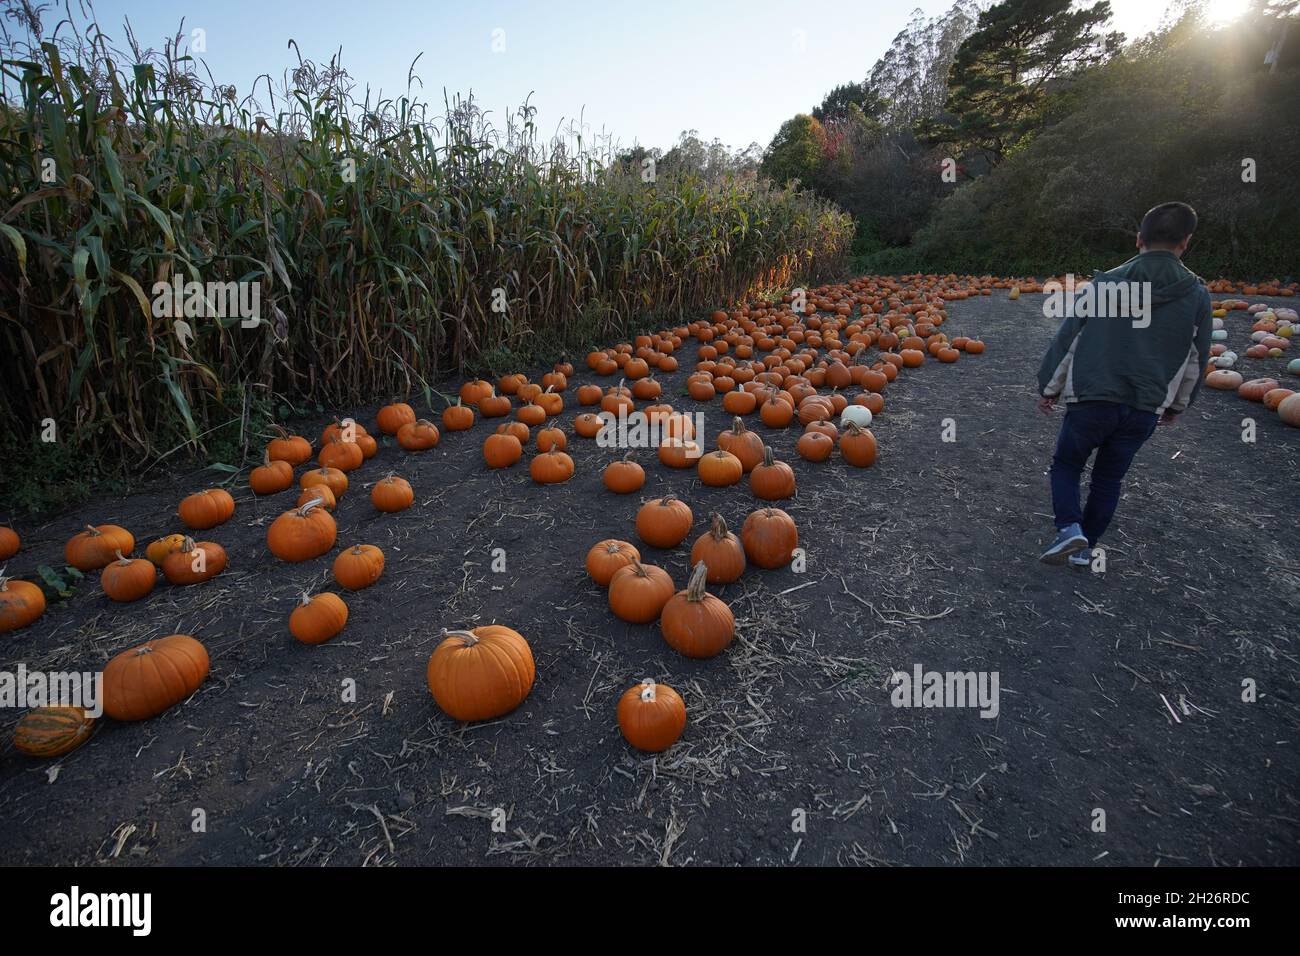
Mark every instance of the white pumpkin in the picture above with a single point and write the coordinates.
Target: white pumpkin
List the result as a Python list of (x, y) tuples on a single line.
[(1257, 307), (1293, 366), (1219, 335), (1218, 324), (1289, 314), (859, 415), (1259, 336)]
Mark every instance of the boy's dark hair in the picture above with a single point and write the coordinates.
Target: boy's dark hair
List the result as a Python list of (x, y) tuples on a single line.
[(1167, 224)]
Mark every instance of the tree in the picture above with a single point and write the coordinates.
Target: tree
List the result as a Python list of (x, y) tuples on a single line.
[(1003, 72), (911, 78), (796, 152), (849, 100)]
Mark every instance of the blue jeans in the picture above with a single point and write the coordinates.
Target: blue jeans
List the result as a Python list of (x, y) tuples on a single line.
[(1115, 432)]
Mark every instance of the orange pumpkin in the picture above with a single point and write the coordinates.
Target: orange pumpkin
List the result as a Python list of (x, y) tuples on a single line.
[(9, 543), (392, 494), (418, 436), (304, 533), (772, 480), (21, 602), (271, 477), (608, 556), (770, 537), (195, 562), (96, 546), (359, 566), (148, 679), (664, 522), (332, 478), (502, 451), (651, 716), (458, 417), (482, 673), (206, 509), (696, 623), (638, 592), (394, 416), (316, 619), (128, 579), (721, 552)]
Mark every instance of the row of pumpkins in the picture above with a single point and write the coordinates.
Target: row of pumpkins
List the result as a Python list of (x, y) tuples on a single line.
[(484, 672), (1271, 334)]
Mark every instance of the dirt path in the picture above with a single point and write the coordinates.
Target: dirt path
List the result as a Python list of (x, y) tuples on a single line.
[(938, 545)]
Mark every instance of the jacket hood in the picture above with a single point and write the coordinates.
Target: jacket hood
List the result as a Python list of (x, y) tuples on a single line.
[(1169, 278)]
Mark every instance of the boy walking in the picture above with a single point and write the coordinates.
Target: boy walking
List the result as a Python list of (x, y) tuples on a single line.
[(1121, 375)]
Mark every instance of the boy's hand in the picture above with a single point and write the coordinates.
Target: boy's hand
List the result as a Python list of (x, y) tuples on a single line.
[(1046, 404)]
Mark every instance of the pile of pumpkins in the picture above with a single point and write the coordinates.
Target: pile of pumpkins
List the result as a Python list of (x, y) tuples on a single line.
[(1271, 335), (762, 358)]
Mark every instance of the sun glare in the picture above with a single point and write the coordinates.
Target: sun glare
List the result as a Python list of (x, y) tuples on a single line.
[(1220, 12)]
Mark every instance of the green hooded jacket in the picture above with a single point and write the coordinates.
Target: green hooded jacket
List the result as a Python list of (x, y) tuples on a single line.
[(1137, 335)]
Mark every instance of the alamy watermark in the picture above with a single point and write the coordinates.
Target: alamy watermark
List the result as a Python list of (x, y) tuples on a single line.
[(208, 300), (1101, 300), (639, 430), (956, 689), (23, 689)]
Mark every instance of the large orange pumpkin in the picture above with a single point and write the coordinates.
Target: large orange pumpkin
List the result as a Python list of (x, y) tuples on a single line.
[(95, 547), (146, 680), (770, 537), (302, 533), (482, 673), (206, 509)]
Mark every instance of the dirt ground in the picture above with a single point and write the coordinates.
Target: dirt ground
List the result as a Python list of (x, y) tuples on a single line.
[(793, 753)]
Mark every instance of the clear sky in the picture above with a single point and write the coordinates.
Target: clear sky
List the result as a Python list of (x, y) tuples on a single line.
[(645, 71)]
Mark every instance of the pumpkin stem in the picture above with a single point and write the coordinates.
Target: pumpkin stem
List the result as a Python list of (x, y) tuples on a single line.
[(638, 569), (315, 502), (667, 500), (768, 460), (719, 527), (695, 587), (469, 637), (306, 598), (120, 559), (92, 531), (648, 691), (356, 549), (188, 545), (737, 426)]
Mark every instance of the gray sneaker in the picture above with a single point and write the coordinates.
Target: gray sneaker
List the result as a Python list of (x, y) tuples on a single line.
[(1070, 540), (1081, 559)]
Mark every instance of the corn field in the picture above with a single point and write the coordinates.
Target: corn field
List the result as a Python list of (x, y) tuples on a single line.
[(389, 247)]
